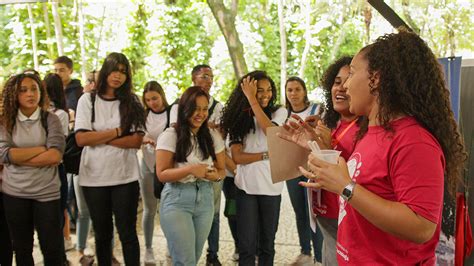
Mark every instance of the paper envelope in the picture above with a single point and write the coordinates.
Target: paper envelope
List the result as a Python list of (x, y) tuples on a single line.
[(285, 156)]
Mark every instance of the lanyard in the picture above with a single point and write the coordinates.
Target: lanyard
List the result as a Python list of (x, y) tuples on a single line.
[(336, 140)]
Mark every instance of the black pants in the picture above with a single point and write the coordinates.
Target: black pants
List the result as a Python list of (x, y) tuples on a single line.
[(257, 222), (230, 193), (122, 202), (6, 252), (25, 215)]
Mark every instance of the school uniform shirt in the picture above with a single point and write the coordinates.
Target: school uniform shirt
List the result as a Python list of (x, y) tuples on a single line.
[(405, 166), (215, 117), (167, 141), (104, 165), (229, 153), (255, 178), (329, 207), (28, 182), (311, 109), (155, 125), (63, 117)]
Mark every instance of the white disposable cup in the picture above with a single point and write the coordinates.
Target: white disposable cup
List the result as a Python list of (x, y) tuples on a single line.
[(330, 156)]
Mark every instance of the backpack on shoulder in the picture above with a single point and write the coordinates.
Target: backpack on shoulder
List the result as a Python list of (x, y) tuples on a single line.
[(72, 153)]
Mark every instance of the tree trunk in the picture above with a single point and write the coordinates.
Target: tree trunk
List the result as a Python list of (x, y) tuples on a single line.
[(226, 20), (367, 20), (33, 38), (82, 42), (48, 30), (283, 53), (307, 38), (58, 28)]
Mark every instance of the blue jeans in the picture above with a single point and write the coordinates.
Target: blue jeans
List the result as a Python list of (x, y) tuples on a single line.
[(213, 238), (299, 201), (150, 204), (83, 220), (186, 213), (257, 221)]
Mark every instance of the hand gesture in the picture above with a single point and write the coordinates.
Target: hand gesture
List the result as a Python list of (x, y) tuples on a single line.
[(147, 140), (298, 132), (324, 136), (249, 87), (199, 170), (330, 177), (212, 174)]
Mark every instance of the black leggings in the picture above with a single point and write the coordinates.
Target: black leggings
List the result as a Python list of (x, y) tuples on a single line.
[(25, 215), (122, 202), (6, 252)]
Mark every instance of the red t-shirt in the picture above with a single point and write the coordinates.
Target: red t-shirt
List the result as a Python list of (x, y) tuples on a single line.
[(329, 207), (406, 166)]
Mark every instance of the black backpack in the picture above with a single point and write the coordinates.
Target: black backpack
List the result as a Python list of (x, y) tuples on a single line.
[(72, 153)]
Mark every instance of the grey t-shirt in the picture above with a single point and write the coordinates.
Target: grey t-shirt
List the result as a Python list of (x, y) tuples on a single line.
[(38, 183)]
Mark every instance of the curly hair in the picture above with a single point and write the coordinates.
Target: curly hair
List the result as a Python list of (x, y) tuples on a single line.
[(303, 85), (411, 82), (10, 98), (237, 117), (54, 87), (331, 116), (154, 86), (186, 108), (131, 110)]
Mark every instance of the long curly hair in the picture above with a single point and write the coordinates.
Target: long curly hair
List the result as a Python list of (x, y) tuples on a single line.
[(411, 82), (331, 116), (186, 108), (10, 98), (54, 87), (237, 117), (132, 114)]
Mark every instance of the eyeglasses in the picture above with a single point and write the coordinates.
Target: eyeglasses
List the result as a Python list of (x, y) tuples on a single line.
[(206, 77)]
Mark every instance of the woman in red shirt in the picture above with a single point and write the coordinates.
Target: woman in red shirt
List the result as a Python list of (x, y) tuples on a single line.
[(392, 185)]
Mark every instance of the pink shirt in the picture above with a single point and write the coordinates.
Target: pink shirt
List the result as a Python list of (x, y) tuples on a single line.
[(405, 166), (329, 207)]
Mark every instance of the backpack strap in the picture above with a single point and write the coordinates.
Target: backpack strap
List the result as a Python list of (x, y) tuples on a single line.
[(44, 120), (93, 96), (211, 110), (168, 113), (313, 109)]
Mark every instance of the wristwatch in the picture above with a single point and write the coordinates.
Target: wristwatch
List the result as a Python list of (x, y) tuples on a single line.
[(265, 156), (348, 191)]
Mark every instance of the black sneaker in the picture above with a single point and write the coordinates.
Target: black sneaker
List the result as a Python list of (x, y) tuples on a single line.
[(212, 261)]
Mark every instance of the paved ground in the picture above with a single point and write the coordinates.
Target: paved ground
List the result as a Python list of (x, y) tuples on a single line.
[(287, 247)]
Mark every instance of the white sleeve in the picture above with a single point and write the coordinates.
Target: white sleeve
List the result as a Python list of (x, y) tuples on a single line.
[(279, 116), (64, 118), (167, 140), (216, 114), (173, 114), (219, 144), (83, 113)]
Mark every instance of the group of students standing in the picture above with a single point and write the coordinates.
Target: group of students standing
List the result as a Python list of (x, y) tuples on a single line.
[(386, 109)]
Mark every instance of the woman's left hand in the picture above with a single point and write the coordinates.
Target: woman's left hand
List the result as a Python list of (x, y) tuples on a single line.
[(249, 87), (212, 175), (330, 177)]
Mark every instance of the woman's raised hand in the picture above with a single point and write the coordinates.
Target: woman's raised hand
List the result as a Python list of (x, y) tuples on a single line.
[(249, 87), (298, 132)]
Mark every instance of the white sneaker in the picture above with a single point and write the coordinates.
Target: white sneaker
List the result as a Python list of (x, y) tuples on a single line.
[(149, 256), (303, 259)]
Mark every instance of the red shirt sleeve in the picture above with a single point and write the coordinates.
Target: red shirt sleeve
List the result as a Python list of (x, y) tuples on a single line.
[(417, 176)]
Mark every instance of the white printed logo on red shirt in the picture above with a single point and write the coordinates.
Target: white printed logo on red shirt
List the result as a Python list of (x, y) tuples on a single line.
[(353, 164)]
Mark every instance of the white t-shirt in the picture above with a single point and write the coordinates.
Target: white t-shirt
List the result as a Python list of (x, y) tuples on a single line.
[(167, 141), (255, 178), (214, 118), (311, 109), (155, 125), (63, 118), (104, 165)]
